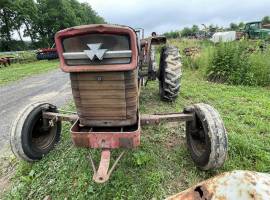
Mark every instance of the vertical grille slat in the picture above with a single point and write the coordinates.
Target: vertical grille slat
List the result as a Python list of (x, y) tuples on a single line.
[(106, 98)]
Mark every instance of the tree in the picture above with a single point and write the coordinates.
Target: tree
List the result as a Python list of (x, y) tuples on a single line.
[(89, 15), (195, 29), (186, 32), (241, 25), (41, 19), (61, 14), (213, 29), (7, 15), (234, 26), (27, 11), (172, 34), (266, 20)]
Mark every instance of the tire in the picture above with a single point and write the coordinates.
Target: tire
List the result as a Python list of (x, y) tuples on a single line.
[(206, 137), (54, 55), (29, 140), (39, 57), (169, 73)]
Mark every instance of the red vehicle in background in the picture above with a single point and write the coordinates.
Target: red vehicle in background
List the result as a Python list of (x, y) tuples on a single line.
[(47, 53)]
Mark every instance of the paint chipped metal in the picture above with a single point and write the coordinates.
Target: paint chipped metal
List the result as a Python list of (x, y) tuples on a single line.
[(235, 185)]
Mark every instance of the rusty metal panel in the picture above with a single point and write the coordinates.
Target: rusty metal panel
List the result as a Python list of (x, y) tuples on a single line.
[(235, 185), (109, 138), (106, 98)]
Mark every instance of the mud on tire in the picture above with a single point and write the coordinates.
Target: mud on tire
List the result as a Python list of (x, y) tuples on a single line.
[(169, 73), (206, 137)]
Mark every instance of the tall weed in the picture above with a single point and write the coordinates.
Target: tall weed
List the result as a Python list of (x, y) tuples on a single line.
[(234, 63), (260, 67)]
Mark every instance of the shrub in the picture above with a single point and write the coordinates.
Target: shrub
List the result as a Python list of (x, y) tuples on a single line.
[(172, 34), (260, 67), (230, 63), (240, 62)]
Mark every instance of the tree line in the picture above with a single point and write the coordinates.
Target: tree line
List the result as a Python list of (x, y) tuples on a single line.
[(39, 20), (194, 30)]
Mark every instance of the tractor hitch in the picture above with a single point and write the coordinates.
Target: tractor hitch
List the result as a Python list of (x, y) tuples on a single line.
[(103, 173)]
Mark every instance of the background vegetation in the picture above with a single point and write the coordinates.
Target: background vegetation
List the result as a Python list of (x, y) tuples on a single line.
[(239, 62), (194, 29), (40, 20)]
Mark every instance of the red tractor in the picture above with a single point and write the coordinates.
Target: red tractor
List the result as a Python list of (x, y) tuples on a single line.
[(108, 65)]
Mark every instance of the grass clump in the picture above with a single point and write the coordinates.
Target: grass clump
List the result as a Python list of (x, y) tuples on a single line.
[(260, 67), (240, 63), (230, 64)]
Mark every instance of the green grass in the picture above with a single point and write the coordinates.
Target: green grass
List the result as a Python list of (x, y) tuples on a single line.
[(161, 166), (19, 71)]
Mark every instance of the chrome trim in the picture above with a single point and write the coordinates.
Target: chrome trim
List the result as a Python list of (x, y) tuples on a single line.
[(108, 54)]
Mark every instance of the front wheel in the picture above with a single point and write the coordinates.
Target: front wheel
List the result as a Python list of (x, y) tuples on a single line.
[(206, 137), (32, 136)]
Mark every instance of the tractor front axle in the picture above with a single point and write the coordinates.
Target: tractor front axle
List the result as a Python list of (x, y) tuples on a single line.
[(145, 119)]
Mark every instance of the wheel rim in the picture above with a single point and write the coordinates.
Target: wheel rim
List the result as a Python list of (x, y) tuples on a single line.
[(42, 139), (199, 140)]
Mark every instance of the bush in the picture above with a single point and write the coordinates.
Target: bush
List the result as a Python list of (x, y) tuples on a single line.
[(172, 34), (233, 63), (239, 62), (260, 67)]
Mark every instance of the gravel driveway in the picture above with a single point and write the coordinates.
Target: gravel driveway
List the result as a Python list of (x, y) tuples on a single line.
[(52, 87)]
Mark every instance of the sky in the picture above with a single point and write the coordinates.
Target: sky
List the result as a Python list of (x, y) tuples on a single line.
[(166, 15)]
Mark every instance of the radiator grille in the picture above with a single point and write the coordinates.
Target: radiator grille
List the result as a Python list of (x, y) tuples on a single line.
[(106, 98), (112, 43)]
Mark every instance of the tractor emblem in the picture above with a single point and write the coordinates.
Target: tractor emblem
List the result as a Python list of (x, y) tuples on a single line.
[(95, 51)]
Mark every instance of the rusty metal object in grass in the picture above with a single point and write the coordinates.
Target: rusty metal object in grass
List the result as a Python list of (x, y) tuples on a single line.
[(192, 51), (235, 185), (6, 60)]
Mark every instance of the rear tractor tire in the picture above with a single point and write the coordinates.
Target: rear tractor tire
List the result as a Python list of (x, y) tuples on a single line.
[(169, 73), (32, 136), (206, 137)]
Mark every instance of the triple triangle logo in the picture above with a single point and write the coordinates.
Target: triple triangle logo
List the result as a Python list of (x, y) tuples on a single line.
[(95, 51)]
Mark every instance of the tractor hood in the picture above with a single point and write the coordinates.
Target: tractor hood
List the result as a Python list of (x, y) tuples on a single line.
[(96, 48)]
